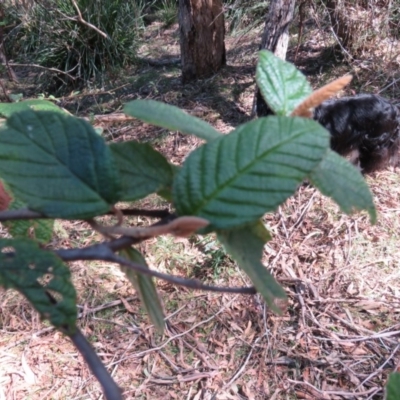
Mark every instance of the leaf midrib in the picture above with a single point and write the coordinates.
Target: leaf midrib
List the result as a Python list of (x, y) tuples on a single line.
[(54, 157), (219, 189)]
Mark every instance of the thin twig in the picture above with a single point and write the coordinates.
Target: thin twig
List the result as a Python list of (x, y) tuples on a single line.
[(164, 213), (332, 392), (5, 91), (161, 346), (340, 44), (22, 213), (302, 214), (80, 19), (240, 371), (31, 335), (379, 335), (104, 252), (181, 226), (46, 68), (360, 328), (110, 388), (25, 213), (388, 86), (97, 93), (11, 74), (379, 370)]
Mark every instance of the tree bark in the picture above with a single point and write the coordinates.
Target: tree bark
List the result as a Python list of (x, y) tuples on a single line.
[(202, 33), (275, 39)]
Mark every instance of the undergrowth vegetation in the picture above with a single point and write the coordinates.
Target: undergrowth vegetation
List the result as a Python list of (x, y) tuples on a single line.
[(167, 12), (245, 15), (82, 42)]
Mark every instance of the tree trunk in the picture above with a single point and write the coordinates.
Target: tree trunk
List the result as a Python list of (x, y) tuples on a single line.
[(202, 32), (275, 39)]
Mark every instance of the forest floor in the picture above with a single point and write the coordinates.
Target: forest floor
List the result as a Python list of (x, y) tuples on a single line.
[(340, 337)]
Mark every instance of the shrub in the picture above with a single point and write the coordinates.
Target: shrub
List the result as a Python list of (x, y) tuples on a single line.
[(53, 35), (360, 25), (245, 15), (167, 12)]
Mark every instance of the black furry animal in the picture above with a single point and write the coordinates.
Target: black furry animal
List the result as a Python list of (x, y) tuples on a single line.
[(365, 127)]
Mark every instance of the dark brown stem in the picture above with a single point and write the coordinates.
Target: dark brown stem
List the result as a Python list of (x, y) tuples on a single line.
[(105, 252)]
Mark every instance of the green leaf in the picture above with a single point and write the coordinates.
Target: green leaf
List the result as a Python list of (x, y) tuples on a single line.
[(7, 109), (393, 387), (142, 169), (282, 86), (41, 277), (145, 287), (41, 230), (170, 117), (57, 165), (246, 246), (339, 179), (237, 178)]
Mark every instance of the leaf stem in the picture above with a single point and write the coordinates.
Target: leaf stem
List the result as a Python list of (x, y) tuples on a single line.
[(110, 388)]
